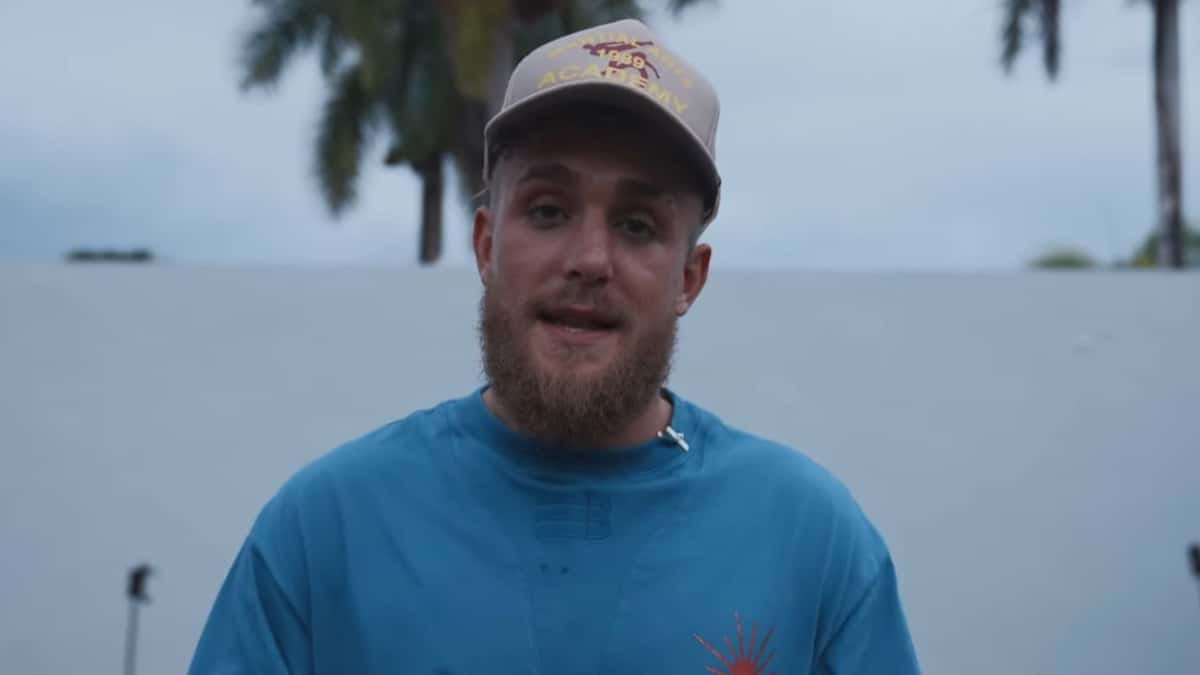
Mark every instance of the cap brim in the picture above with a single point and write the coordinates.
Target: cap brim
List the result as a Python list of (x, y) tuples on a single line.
[(614, 95)]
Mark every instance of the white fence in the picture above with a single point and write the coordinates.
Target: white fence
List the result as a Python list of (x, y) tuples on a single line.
[(1028, 443)]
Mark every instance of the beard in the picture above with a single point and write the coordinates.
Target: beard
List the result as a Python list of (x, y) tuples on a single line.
[(566, 409)]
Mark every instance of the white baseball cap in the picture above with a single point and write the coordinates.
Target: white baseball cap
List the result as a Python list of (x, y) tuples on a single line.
[(620, 64)]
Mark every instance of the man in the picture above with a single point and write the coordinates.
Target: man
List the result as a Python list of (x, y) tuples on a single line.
[(574, 515)]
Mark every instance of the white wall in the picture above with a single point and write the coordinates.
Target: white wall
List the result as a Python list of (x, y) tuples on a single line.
[(1029, 444)]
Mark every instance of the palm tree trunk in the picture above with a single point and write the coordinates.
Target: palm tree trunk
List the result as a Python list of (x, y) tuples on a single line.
[(475, 114), (467, 146), (1167, 110), (432, 187), (131, 637), (474, 111)]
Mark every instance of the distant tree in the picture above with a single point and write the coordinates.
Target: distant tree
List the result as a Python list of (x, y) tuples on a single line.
[(137, 255), (1046, 14), (425, 75), (1064, 258)]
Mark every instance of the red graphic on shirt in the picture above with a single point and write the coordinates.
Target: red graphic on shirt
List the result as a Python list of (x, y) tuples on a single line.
[(619, 56), (741, 661)]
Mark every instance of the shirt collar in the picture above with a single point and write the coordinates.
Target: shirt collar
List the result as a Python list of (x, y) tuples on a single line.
[(655, 456)]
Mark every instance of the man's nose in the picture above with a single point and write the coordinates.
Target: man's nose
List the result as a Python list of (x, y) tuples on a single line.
[(589, 251)]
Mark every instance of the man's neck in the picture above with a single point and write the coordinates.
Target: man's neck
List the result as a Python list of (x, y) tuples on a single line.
[(646, 425)]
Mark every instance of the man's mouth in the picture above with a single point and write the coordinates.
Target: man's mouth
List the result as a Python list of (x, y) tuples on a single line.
[(579, 319)]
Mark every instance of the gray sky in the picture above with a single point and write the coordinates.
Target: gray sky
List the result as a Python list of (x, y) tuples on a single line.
[(853, 135)]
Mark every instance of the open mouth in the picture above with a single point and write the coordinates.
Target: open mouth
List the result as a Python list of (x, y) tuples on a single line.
[(579, 320)]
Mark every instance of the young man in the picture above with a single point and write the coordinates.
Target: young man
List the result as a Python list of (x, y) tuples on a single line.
[(573, 516)]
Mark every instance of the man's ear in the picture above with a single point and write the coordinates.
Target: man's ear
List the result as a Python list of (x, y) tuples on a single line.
[(695, 274), (481, 238)]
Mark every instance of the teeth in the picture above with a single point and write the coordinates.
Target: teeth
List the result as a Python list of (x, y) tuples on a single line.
[(576, 327)]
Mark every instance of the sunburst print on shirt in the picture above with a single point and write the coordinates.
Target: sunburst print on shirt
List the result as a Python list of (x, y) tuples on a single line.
[(746, 659)]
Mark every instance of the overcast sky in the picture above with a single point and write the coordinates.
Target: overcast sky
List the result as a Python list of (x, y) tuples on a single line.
[(853, 135)]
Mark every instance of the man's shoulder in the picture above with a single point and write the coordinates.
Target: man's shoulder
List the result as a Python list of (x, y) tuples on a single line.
[(787, 476), (759, 458), (344, 487), (401, 447)]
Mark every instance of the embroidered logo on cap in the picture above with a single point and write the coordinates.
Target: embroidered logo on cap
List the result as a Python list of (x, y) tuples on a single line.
[(620, 57), (624, 60)]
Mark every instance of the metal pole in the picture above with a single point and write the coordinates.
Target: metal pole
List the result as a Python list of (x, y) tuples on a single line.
[(131, 637), (136, 591), (1194, 557)]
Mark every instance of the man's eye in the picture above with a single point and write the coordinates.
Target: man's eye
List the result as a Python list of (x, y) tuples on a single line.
[(638, 228), (546, 214)]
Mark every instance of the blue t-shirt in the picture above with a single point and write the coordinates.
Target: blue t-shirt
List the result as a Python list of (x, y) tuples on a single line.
[(446, 544)]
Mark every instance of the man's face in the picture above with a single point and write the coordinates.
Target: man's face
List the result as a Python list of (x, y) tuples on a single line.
[(586, 261)]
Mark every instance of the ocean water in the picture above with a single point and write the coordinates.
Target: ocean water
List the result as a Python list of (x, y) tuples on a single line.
[(1029, 444)]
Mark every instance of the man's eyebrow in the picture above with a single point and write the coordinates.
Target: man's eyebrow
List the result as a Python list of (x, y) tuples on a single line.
[(640, 188), (552, 172), (561, 174)]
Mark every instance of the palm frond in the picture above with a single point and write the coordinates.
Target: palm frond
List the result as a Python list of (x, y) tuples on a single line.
[(409, 40), (1013, 31), (1050, 15), (422, 124), (419, 95), (290, 25), (363, 22), (580, 15), (1017, 14), (347, 123), (676, 7), (333, 47), (611, 10), (472, 38), (398, 95)]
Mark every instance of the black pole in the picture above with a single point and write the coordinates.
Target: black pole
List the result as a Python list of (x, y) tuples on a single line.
[(136, 591), (131, 637), (1194, 557)]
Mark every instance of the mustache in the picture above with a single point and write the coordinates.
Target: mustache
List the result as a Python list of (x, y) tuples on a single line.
[(580, 296)]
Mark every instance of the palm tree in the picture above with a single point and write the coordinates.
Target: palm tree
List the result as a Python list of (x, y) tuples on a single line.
[(425, 74), (1146, 254), (387, 74), (1047, 14)]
